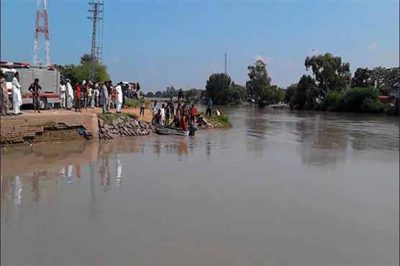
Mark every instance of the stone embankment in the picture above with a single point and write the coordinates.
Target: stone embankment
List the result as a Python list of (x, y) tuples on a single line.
[(112, 126), (47, 126)]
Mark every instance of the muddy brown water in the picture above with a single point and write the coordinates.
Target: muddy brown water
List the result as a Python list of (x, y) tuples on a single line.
[(282, 188)]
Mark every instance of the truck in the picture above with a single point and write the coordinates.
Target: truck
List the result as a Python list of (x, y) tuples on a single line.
[(49, 80)]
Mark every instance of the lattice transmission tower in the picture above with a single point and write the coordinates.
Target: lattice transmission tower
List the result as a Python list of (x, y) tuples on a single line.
[(96, 16), (41, 47)]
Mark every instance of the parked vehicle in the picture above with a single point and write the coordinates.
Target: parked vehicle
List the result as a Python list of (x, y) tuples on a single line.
[(49, 80)]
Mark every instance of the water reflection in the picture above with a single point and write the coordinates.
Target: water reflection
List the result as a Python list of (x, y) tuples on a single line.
[(70, 169), (133, 197), (118, 178), (323, 142), (105, 173), (256, 127), (35, 188), (17, 191)]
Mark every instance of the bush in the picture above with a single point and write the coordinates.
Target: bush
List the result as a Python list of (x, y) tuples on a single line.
[(361, 100), (331, 101), (132, 103), (369, 105), (221, 121)]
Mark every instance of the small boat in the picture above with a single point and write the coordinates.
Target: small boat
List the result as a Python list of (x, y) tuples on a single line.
[(162, 130)]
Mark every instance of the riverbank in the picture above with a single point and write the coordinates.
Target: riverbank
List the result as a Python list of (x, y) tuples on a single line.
[(55, 125), (62, 125)]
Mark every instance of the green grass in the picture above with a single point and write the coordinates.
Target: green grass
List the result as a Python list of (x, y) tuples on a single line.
[(132, 103), (221, 121)]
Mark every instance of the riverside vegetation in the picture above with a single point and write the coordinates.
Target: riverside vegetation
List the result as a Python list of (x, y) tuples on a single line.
[(329, 87)]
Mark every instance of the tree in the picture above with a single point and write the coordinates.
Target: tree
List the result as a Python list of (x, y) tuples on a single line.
[(386, 80), (217, 88), (150, 94), (290, 91), (81, 72), (258, 79), (86, 59), (392, 80), (271, 95), (171, 92), (259, 85), (68, 72), (378, 77), (362, 78), (329, 73), (237, 93), (158, 94), (305, 94)]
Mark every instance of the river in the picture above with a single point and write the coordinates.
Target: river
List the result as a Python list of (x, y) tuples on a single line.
[(278, 188)]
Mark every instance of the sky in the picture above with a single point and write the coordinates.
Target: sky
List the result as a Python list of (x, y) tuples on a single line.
[(181, 42)]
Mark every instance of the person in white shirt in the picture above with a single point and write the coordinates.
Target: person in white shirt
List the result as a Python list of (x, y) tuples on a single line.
[(119, 98), (63, 90), (70, 94), (155, 108), (162, 109), (17, 97)]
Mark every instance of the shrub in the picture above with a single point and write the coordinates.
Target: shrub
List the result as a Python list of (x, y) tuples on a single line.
[(221, 121), (369, 105), (332, 101), (132, 103), (361, 100)]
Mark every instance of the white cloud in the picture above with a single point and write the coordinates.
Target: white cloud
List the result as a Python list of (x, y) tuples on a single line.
[(266, 60)]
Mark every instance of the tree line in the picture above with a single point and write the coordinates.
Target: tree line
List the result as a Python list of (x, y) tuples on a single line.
[(331, 87)]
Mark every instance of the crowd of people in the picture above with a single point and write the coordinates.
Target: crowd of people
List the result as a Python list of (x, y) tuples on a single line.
[(88, 94), (16, 95), (85, 94), (180, 115)]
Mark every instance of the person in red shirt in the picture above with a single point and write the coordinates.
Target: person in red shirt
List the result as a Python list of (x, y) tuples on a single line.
[(193, 113), (78, 97)]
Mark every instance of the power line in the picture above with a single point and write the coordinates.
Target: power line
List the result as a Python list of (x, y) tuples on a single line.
[(96, 12), (41, 42)]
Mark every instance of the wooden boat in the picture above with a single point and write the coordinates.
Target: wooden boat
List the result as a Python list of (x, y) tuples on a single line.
[(163, 130)]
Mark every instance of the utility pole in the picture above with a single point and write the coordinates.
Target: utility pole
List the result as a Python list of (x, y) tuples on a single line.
[(226, 64), (41, 42), (96, 11)]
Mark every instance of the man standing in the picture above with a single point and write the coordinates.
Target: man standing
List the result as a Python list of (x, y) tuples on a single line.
[(70, 94), (78, 97), (209, 106), (17, 97), (63, 90), (142, 106), (35, 88), (104, 98), (193, 113), (119, 97), (180, 95), (162, 109), (3, 95), (93, 95)]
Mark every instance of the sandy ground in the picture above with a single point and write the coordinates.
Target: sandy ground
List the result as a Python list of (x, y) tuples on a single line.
[(147, 113)]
